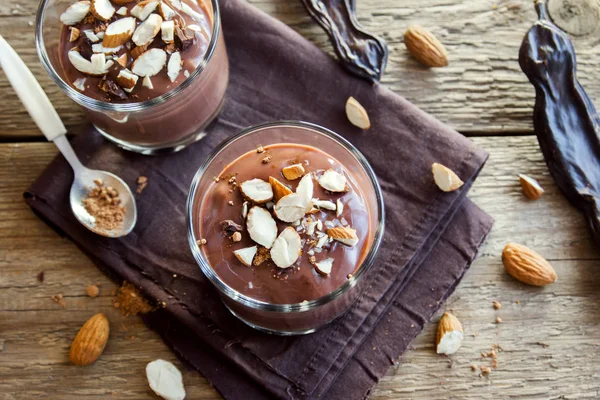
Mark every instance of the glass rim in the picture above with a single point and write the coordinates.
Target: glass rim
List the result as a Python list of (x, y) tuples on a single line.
[(98, 105), (291, 307)]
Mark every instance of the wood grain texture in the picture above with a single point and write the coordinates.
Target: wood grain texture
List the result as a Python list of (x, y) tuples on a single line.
[(563, 317), (482, 91)]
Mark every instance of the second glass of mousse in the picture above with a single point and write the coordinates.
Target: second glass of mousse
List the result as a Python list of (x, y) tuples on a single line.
[(288, 225), (151, 74)]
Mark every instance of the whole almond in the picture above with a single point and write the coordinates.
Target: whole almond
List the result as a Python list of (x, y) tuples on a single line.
[(89, 343), (449, 334), (425, 47), (531, 187), (527, 266)]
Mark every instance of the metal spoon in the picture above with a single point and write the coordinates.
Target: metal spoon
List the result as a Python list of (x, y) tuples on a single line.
[(43, 113)]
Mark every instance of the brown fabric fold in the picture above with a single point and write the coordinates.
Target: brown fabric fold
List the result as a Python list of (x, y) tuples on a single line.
[(276, 74)]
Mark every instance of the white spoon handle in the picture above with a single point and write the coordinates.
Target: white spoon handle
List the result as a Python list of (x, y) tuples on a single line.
[(30, 92)]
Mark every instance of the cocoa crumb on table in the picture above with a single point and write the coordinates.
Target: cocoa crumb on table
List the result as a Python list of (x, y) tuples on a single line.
[(497, 305), (40, 277), (58, 299), (130, 301), (92, 291)]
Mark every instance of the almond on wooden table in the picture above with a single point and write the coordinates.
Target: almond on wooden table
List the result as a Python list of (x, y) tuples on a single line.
[(449, 334), (531, 187), (527, 266), (89, 343), (425, 47)]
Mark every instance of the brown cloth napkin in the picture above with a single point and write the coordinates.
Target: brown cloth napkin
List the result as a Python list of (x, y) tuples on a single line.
[(431, 237)]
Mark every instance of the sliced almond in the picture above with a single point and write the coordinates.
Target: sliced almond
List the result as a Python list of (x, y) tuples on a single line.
[(286, 248), (324, 204), (147, 30), (143, 9), (91, 35), (147, 83), (100, 35), (98, 48), (75, 13), (343, 235), (165, 380), (305, 188), (310, 227), (80, 83), (150, 62), (122, 60), (246, 255), (339, 208), (324, 267), (449, 334), (322, 241), (445, 178), (176, 4), (174, 66), (122, 11), (279, 189), (356, 113), (102, 9), (121, 2), (194, 27), (261, 226), (333, 181), (290, 208), (127, 80), (119, 32), (165, 11), (257, 190), (191, 12), (245, 210), (167, 31), (94, 67), (531, 187), (138, 51), (74, 35), (293, 172)]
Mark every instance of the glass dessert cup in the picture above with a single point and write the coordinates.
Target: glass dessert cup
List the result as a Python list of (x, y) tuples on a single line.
[(308, 315), (165, 123)]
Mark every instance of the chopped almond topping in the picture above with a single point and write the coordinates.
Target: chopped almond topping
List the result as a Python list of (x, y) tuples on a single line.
[(74, 34), (257, 191), (102, 9), (279, 189), (75, 13), (293, 172), (333, 181), (343, 235), (246, 255), (286, 248)]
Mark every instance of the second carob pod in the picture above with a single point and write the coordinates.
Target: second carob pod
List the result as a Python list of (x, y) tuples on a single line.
[(566, 122)]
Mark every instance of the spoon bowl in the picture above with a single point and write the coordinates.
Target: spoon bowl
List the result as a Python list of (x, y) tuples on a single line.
[(84, 182)]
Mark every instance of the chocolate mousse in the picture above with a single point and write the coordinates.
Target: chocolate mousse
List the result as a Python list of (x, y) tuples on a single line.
[(284, 224), (124, 51)]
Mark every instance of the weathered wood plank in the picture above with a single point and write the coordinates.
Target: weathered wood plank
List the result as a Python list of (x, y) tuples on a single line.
[(37, 332), (482, 91)]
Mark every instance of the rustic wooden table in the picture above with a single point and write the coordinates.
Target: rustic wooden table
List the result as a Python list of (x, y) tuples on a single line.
[(550, 336)]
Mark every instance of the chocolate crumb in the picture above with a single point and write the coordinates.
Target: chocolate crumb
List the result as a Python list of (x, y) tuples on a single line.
[(142, 182), (40, 277), (111, 88), (486, 370), (231, 203), (497, 305), (498, 320), (349, 276), (473, 367), (85, 47), (267, 159), (201, 242), (230, 227), (260, 149), (312, 259), (92, 291), (184, 37)]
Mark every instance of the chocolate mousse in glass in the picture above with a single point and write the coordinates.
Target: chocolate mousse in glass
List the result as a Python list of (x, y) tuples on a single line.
[(285, 219), (150, 74)]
